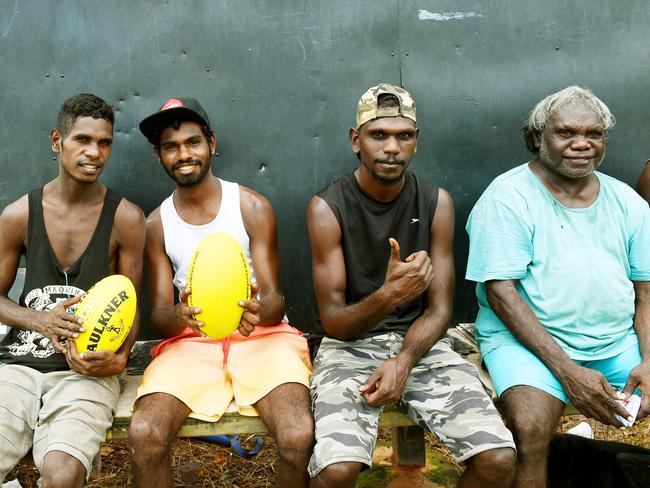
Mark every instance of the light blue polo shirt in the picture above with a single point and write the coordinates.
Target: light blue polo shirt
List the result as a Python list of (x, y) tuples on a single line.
[(574, 266)]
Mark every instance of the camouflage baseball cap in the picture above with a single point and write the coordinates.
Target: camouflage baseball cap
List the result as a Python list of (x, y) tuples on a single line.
[(368, 110)]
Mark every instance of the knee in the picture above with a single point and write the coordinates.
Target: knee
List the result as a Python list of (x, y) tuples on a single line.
[(496, 465), (59, 479), (63, 476), (338, 475), (148, 438), (296, 440), (530, 435)]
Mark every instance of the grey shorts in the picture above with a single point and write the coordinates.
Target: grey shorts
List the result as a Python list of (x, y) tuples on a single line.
[(59, 411), (442, 394)]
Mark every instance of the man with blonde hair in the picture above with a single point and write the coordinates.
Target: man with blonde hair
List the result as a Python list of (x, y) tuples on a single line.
[(559, 252)]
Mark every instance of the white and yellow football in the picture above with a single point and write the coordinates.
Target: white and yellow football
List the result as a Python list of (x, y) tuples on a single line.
[(108, 310), (219, 277)]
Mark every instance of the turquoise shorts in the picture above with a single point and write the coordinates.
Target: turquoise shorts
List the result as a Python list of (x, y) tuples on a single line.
[(514, 365)]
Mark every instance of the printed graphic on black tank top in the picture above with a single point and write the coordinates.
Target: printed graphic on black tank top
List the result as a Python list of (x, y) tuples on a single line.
[(42, 299), (47, 284)]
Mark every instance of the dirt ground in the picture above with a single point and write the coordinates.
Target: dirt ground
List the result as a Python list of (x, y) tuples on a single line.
[(202, 464)]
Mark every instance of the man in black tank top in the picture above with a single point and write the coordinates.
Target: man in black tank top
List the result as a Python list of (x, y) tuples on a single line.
[(73, 232), (383, 275)]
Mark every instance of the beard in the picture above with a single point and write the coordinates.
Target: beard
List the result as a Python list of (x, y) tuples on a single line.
[(557, 167), (391, 179), (191, 179)]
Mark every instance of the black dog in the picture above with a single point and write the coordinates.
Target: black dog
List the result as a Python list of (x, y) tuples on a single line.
[(580, 462)]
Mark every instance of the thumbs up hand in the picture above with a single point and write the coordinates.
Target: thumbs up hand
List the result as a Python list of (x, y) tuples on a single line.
[(406, 280)]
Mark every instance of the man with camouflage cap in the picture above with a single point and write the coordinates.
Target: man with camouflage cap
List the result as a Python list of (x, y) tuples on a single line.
[(383, 273)]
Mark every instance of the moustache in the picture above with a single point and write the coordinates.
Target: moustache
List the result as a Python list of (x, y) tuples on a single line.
[(401, 162), (178, 164)]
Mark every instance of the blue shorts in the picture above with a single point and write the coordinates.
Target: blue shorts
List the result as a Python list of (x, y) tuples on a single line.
[(514, 365)]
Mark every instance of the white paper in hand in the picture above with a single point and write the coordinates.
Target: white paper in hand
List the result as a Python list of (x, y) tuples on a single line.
[(632, 405)]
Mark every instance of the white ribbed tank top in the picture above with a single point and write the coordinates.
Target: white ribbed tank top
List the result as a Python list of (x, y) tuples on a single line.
[(181, 238)]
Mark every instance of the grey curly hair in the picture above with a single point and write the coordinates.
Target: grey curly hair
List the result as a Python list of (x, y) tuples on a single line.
[(571, 95)]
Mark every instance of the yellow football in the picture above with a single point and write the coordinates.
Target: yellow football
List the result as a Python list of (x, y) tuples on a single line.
[(108, 310), (219, 276)]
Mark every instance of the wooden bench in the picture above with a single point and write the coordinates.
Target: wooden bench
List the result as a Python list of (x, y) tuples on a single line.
[(407, 437)]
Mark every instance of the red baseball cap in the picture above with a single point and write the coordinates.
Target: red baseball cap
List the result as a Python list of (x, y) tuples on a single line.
[(174, 108)]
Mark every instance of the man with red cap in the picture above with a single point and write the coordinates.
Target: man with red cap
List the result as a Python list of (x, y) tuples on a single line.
[(264, 365)]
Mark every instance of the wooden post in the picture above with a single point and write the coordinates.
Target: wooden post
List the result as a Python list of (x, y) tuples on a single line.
[(408, 446)]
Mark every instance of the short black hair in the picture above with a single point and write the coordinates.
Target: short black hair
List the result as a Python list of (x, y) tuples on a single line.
[(387, 100), (82, 105), (175, 122)]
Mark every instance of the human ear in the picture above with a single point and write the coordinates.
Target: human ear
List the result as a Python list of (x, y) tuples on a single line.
[(353, 134), (55, 139)]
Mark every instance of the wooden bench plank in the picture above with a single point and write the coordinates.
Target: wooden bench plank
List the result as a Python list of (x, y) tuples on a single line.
[(408, 437), (231, 423)]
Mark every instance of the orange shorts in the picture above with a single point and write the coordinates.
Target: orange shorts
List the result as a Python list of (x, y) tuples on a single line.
[(206, 374)]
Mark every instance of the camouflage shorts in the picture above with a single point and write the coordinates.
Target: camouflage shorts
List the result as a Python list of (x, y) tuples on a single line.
[(443, 394)]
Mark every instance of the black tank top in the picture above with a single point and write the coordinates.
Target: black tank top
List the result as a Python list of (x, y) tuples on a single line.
[(46, 283), (366, 225)]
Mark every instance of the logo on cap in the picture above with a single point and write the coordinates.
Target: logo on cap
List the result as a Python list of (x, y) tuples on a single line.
[(172, 103)]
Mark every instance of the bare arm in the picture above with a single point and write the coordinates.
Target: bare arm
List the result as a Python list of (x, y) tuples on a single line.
[(404, 282), (642, 317), (433, 323), (167, 320), (643, 183), (640, 376), (386, 384), (55, 324), (268, 308), (587, 389), (129, 226), (128, 232)]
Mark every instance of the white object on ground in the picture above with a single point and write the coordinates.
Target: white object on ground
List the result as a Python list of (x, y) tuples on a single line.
[(583, 429), (12, 484)]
